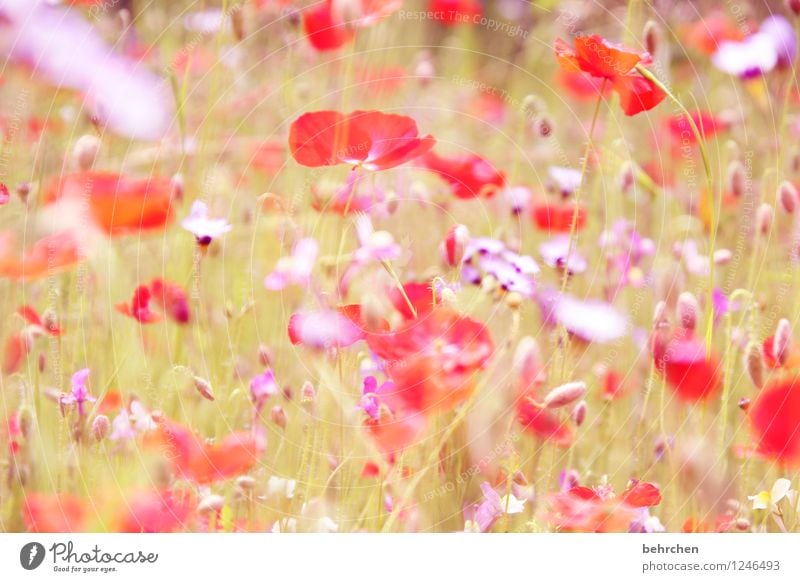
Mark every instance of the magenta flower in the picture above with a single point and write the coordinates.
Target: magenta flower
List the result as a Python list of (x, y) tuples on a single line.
[(554, 254), (261, 388), (489, 257), (80, 394), (370, 397)]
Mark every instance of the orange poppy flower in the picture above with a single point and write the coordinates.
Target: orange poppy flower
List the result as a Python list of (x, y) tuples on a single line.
[(203, 463), (57, 513), (118, 205), (616, 65), (48, 255)]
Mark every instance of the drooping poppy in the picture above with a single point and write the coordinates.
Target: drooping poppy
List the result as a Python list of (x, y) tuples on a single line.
[(369, 139), (469, 175), (774, 419), (118, 205), (172, 298), (615, 65)]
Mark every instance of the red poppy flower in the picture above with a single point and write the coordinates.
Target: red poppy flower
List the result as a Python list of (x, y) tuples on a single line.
[(612, 385), (172, 299), (370, 139), (557, 217), (708, 124), (641, 494), (432, 359), (602, 59), (48, 255), (681, 358), (710, 31), (455, 12), (156, 512), (393, 433), (18, 345), (419, 294), (59, 513), (331, 24), (775, 421), (139, 307), (118, 205), (792, 359), (578, 512), (542, 423), (580, 85), (204, 463), (469, 176)]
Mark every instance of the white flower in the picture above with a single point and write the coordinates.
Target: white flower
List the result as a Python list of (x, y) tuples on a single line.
[(280, 486), (201, 226), (782, 488), (511, 504)]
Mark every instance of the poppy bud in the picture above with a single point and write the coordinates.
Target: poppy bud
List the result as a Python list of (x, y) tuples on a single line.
[(564, 395), (454, 245), (544, 125), (42, 363), (742, 524), (652, 36), (787, 194), (425, 71), (579, 413), (307, 392), (210, 504), (204, 388), (736, 179), (754, 364), (85, 151), (278, 416), (237, 24), (264, 355), (764, 216), (177, 186), (626, 177), (660, 318), (532, 105), (744, 403), (100, 427), (25, 420), (245, 483), (513, 300), (687, 311), (448, 296), (23, 189), (782, 342), (722, 257)]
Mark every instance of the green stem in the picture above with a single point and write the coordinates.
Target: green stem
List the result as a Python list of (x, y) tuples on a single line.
[(713, 206)]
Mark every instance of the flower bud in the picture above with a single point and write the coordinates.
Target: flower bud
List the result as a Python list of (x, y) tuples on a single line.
[(742, 524), (307, 392), (744, 404), (245, 483), (264, 356), (85, 151), (782, 342), (754, 364), (626, 178), (579, 413), (687, 311), (100, 427), (722, 257), (793, 6), (454, 245), (425, 71), (237, 24), (564, 395), (278, 416), (210, 504), (652, 36), (203, 387), (527, 362), (764, 215), (788, 197), (660, 318), (736, 179)]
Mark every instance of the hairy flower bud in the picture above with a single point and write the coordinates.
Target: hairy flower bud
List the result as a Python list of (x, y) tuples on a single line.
[(788, 197), (278, 416), (754, 364), (564, 395), (203, 387), (687, 311), (100, 427), (783, 341), (764, 215), (579, 413), (84, 152), (454, 245)]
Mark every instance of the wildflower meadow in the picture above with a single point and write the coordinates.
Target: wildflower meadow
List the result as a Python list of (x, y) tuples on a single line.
[(499, 266)]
